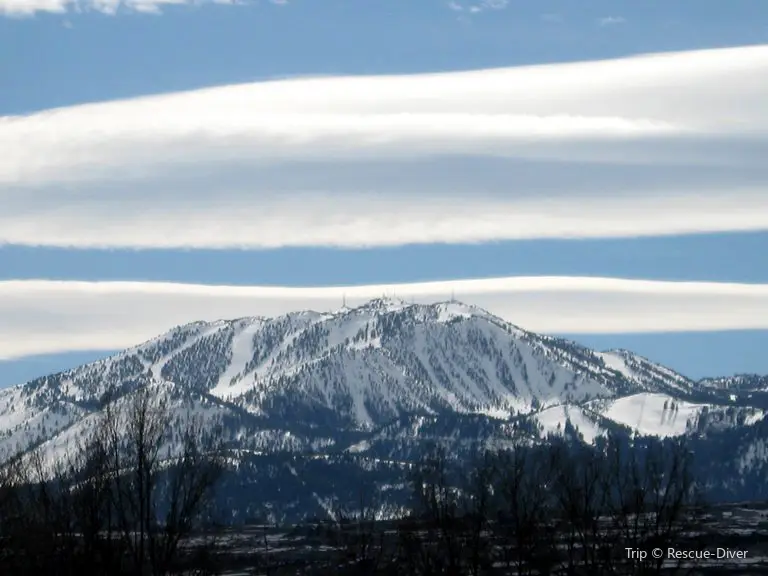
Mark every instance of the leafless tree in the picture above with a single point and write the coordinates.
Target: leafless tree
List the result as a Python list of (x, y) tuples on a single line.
[(358, 534), (478, 509), (524, 509), (156, 501), (116, 504), (559, 509), (654, 501)]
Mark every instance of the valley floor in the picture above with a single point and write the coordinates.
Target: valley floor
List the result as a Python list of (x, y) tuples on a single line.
[(321, 548)]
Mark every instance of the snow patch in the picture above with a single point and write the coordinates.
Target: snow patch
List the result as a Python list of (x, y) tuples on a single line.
[(242, 352), (650, 414), (554, 419)]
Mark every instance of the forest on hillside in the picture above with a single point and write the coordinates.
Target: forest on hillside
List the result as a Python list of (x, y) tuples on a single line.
[(127, 502)]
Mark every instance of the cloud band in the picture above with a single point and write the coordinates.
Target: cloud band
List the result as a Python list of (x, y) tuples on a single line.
[(41, 316), (644, 146)]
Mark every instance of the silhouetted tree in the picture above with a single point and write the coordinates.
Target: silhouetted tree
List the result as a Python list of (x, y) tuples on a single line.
[(111, 505)]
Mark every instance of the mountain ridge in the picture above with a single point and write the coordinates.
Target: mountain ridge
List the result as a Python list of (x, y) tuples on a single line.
[(379, 382)]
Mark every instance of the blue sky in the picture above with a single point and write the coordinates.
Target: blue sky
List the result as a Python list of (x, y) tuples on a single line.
[(651, 179), (60, 59)]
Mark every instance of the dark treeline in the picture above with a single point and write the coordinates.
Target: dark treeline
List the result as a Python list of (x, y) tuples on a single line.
[(121, 503), (125, 503), (545, 510)]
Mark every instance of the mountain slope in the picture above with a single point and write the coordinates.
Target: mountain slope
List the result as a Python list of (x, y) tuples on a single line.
[(377, 384), (366, 365)]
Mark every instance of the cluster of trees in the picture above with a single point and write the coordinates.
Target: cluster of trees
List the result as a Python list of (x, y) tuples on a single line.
[(128, 501), (536, 511), (124, 501)]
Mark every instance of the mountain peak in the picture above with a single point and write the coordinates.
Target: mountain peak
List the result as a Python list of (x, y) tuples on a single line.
[(355, 371), (386, 303)]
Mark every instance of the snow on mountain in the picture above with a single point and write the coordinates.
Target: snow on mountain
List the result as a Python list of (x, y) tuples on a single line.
[(364, 391), (27, 416), (662, 415), (307, 380), (367, 365), (653, 414), (554, 419), (364, 365), (740, 382), (752, 455), (645, 373)]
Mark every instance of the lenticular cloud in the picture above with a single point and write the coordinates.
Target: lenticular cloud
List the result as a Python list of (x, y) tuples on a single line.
[(31, 7), (643, 146), (46, 316)]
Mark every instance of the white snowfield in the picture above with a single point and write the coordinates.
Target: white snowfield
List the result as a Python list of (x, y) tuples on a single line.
[(262, 379), (638, 369), (553, 420), (654, 414), (663, 415), (645, 414)]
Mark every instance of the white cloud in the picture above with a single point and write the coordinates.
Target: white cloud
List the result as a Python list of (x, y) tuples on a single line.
[(611, 20), (32, 7), (478, 7), (48, 316), (494, 4), (650, 145)]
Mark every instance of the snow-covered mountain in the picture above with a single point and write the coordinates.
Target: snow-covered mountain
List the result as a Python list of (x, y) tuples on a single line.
[(376, 383), (740, 382)]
